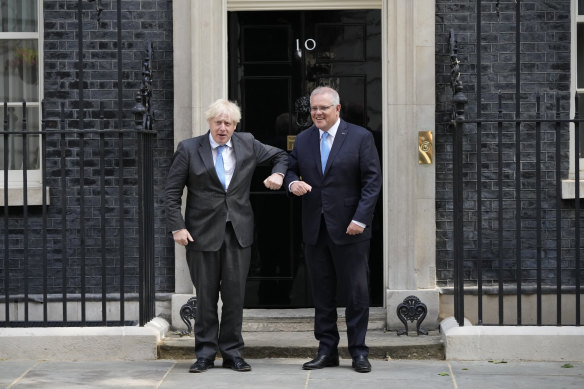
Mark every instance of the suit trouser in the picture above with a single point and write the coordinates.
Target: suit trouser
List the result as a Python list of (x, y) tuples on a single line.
[(213, 272), (347, 265)]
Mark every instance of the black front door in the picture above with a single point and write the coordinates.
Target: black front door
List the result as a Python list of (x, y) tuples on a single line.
[(275, 60)]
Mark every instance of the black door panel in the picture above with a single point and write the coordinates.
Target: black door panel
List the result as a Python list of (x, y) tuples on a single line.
[(276, 59)]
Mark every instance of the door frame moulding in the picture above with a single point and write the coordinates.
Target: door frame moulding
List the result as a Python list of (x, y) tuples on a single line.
[(300, 5), (408, 94)]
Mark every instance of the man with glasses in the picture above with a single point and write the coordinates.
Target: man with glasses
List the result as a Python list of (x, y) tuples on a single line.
[(335, 167)]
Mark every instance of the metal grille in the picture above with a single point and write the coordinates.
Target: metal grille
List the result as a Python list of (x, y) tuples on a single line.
[(523, 239), (90, 242)]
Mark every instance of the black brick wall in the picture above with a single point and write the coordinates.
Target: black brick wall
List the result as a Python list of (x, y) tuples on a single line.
[(545, 68), (142, 20)]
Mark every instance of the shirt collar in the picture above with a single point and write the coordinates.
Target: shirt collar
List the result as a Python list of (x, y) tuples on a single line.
[(214, 144), (333, 130)]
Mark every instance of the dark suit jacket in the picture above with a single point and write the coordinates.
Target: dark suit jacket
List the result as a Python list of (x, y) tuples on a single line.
[(349, 188), (207, 202)]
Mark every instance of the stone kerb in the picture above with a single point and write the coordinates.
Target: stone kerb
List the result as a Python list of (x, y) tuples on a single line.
[(83, 343), (526, 343)]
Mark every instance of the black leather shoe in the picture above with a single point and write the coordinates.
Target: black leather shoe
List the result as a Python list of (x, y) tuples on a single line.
[(201, 365), (321, 361), (361, 364), (237, 364)]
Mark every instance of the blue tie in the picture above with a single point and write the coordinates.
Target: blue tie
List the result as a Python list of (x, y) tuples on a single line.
[(325, 149), (219, 167)]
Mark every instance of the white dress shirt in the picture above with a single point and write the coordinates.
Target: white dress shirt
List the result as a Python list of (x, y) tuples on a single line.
[(332, 133)]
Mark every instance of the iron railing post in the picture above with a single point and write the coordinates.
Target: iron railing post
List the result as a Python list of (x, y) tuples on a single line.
[(577, 200), (43, 139), (6, 223), (143, 121), (558, 182), (26, 231), (459, 101)]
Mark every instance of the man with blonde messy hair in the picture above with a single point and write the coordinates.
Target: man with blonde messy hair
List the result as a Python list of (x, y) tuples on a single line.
[(217, 230)]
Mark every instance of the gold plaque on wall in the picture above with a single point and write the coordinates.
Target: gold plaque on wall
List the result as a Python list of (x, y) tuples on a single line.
[(425, 147)]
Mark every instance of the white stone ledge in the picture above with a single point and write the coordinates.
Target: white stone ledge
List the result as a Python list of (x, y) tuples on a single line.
[(569, 188), (526, 343), (82, 343), (34, 195)]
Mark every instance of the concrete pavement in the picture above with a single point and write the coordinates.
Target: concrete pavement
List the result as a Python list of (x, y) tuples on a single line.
[(287, 373)]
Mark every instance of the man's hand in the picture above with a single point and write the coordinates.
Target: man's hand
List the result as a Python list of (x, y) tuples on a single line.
[(354, 229), (182, 237), (274, 182), (300, 188)]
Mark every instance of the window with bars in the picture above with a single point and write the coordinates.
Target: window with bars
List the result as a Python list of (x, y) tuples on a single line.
[(20, 65)]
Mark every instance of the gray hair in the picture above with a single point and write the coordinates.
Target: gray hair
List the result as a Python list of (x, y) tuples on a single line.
[(325, 90), (224, 107)]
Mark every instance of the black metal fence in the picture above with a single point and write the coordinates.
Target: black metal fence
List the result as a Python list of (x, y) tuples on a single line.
[(82, 253), (79, 244), (516, 231)]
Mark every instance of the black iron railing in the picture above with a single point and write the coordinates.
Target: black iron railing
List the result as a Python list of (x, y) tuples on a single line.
[(89, 243), (71, 241), (513, 233)]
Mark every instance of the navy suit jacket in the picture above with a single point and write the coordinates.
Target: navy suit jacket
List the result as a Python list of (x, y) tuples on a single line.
[(347, 190)]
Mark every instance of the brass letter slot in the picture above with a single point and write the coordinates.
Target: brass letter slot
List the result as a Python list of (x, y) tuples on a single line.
[(425, 147)]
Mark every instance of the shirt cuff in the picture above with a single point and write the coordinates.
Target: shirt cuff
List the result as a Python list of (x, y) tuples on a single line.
[(290, 185), (359, 224)]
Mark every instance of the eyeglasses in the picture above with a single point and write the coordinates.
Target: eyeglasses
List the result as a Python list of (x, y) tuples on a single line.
[(321, 108)]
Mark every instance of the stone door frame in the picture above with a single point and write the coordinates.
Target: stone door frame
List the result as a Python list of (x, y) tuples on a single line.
[(408, 93)]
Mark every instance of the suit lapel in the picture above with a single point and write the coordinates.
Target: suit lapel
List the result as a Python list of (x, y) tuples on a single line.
[(314, 142), (236, 152), (207, 157), (340, 137)]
